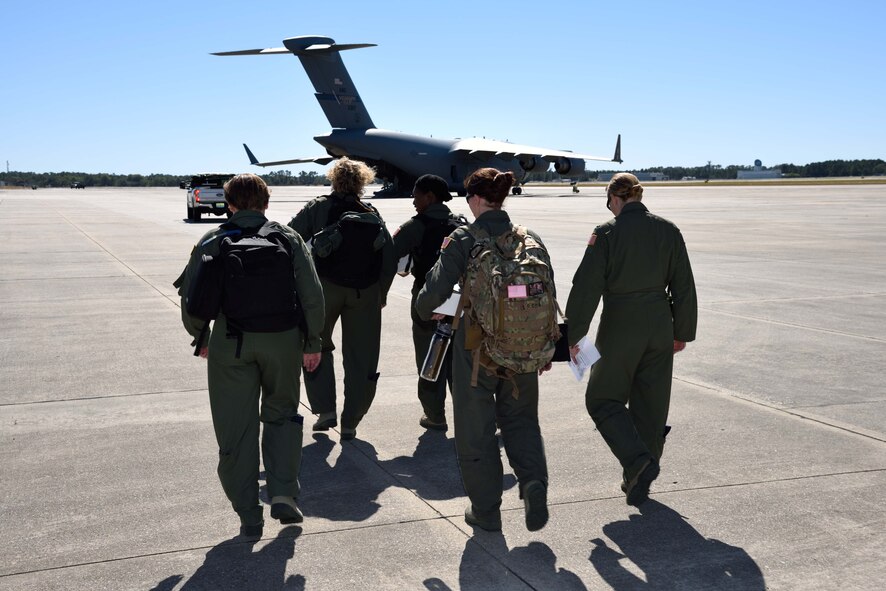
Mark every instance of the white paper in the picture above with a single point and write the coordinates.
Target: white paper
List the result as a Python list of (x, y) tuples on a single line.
[(404, 265), (450, 306), (586, 357)]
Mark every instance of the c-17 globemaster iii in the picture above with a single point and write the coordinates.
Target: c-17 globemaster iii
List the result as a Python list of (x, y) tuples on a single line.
[(400, 158)]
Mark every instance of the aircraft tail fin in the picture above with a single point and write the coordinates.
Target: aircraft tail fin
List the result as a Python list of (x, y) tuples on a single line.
[(617, 156), (334, 89), (252, 159)]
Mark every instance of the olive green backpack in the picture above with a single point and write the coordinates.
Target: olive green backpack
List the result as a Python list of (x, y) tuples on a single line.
[(508, 290)]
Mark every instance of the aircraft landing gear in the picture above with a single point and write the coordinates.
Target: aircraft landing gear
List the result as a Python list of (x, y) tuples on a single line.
[(575, 188), (517, 190)]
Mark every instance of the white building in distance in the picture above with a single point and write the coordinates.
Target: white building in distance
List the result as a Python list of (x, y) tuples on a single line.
[(759, 173)]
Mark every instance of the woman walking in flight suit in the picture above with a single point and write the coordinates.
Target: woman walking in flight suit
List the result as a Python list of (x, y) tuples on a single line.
[(511, 402), (420, 237), (637, 263)]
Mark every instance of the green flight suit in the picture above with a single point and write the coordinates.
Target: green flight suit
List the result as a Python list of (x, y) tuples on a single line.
[(477, 409), (262, 385), (637, 262), (408, 240), (360, 313)]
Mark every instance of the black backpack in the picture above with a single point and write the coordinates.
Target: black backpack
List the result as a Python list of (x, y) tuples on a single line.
[(426, 254), (251, 281), (348, 251)]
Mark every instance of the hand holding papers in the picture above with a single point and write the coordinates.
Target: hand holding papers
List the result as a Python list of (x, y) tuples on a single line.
[(586, 357), (450, 306)]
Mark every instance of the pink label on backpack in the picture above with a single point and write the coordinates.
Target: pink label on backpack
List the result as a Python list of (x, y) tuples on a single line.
[(516, 291)]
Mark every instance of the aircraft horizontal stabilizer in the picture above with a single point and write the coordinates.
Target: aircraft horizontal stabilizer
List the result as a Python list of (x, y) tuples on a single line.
[(300, 46), (322, 160), (269, 51), (334, 89)]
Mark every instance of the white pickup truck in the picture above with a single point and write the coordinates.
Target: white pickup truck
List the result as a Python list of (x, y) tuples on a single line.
[(206, 194)]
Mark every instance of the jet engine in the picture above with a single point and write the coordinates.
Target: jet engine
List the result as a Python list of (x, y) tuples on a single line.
[(571, 167), (533, 164)]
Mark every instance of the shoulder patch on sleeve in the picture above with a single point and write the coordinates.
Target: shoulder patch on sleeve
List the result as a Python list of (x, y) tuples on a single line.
[(446, 242), (592, 240)]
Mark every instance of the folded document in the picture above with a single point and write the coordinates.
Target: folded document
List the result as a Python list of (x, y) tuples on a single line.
[(586, 357), (450, 306)]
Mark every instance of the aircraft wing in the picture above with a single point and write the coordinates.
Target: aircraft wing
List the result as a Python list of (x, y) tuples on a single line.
[(483, 148), (317, 160)]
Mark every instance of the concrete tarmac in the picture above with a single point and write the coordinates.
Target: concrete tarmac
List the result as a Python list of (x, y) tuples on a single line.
[(773, 476)]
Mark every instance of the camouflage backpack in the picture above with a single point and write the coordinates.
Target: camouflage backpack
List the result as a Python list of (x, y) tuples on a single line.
[(509, 292)]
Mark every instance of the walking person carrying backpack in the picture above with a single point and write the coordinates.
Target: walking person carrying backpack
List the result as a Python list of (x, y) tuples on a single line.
[(255, 282), (420, 238), (503, 342), (354, 256)]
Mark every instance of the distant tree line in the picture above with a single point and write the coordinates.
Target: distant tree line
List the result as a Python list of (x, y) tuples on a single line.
[(836, 168), (64, 179), (828, 168)]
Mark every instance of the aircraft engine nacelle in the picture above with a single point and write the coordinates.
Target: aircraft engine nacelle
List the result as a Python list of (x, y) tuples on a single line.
[(534, 164), (571, 167)]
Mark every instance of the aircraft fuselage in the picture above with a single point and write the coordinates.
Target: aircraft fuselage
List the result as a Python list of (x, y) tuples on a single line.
[(401, 158)]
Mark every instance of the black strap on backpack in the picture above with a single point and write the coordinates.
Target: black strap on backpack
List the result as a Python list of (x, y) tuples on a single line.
[(250, 280), (259, 285), (355, 260), (206, 289)]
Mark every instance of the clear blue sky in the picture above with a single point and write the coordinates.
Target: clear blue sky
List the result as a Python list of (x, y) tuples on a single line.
[(125, 87)]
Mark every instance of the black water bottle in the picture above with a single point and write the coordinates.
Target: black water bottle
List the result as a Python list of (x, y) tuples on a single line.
[(430, 370)]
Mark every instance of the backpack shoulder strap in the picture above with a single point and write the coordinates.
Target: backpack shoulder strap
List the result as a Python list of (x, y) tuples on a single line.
[(425, 219)]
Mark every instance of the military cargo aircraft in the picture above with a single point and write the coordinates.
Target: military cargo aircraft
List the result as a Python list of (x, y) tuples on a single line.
[(400, 158)]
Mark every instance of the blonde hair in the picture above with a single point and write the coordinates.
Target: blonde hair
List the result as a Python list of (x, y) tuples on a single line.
[(625, 186), (348, 177)]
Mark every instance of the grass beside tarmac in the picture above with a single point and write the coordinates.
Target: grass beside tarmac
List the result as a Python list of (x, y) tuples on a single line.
[(874, 180)]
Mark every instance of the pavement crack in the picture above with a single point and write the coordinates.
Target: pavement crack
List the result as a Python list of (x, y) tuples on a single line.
[(772, 480), (866, 294), (787, 411), (118, 259), (794, 325), (82, 398)]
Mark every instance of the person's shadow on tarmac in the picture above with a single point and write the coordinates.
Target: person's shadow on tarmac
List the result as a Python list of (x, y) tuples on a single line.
[(671, 554), (431, 471), (345, 491), (234, 566), (348, 490), (475, 574)]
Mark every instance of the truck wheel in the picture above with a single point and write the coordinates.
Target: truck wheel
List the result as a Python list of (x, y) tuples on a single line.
[(190, 214), (197, 215)]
